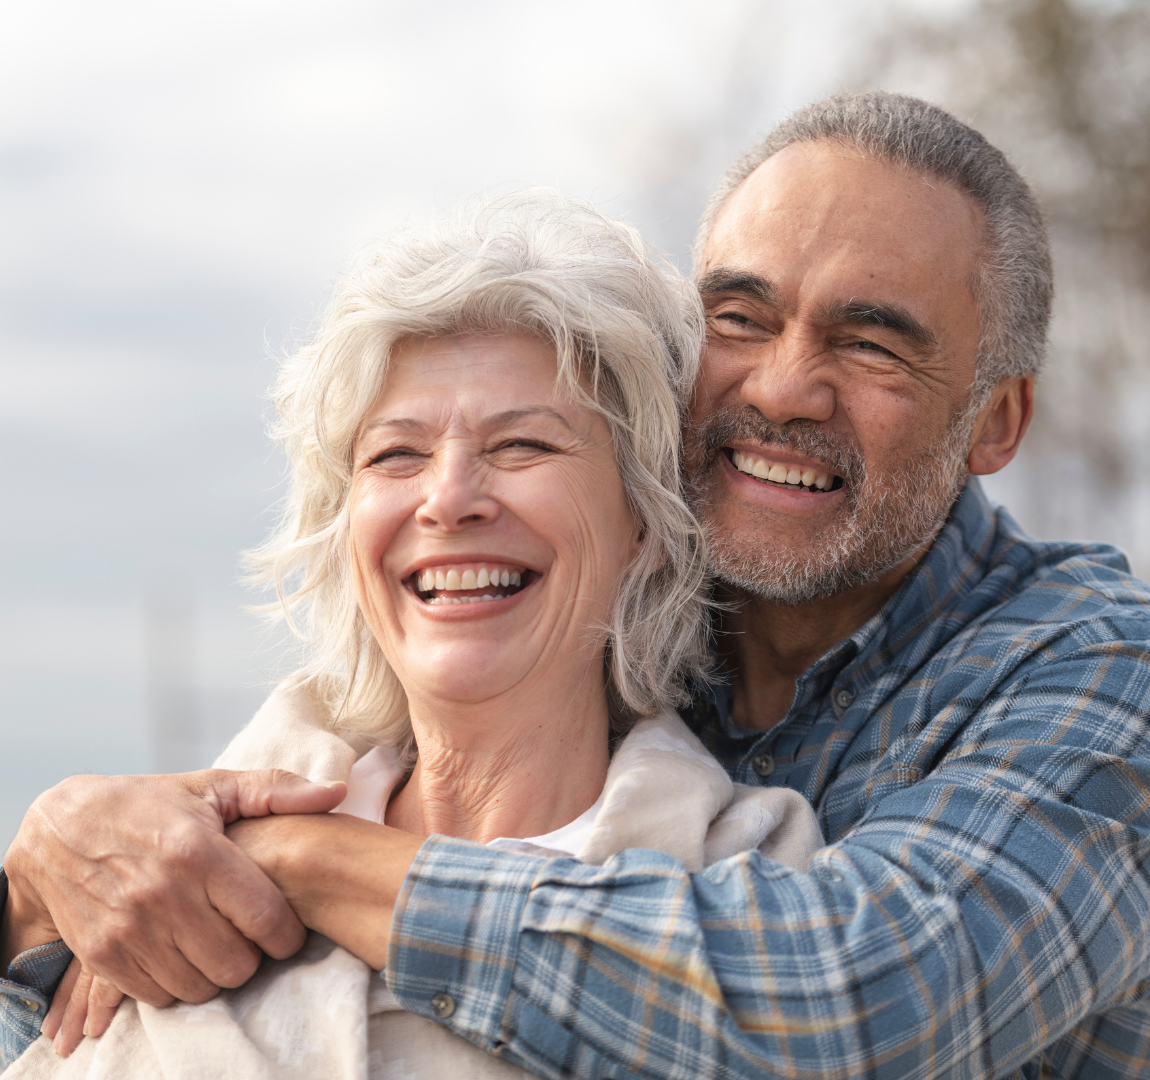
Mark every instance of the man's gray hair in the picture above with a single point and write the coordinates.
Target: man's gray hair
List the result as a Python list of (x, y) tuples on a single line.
[(627, 331), (1015, 288)]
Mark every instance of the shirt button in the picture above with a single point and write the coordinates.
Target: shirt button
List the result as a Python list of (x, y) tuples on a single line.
[(30, 1005), (443, 1005), (843, 698), (763, 764)]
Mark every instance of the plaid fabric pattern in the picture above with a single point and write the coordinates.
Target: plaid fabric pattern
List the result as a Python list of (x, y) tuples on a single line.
[(978, 754)]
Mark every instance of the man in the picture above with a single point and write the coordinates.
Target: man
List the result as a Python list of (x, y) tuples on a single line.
[(966, 707)]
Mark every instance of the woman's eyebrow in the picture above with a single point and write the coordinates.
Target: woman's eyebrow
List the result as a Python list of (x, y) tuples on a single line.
[(402, 422), (509, 416)]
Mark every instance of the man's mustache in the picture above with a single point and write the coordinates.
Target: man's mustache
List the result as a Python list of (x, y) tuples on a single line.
[(802, 436)]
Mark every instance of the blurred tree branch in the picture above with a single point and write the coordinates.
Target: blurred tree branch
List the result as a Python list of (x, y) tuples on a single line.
[(1063, 86)]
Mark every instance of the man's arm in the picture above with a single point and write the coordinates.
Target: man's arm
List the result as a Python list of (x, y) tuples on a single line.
[(968, 923)]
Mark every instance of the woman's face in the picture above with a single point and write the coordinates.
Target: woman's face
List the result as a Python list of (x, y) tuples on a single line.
[(489, 526)]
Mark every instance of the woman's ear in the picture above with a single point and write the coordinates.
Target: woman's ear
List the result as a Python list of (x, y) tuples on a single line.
[(1000, 426)]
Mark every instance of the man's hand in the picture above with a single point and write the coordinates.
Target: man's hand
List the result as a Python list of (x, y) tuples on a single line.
[(137, 876)]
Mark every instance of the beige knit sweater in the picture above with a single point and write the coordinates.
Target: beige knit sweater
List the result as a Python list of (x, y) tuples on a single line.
[(323, 1014)]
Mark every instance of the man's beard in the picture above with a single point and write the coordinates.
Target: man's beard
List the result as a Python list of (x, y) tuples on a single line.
[(884, 517)]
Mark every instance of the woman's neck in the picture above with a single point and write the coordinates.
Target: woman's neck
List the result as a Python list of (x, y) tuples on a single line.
[(503, 768)]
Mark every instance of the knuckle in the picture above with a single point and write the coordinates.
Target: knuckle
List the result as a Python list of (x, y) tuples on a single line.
[(186, 845), (104, 994), (265, 923), (237, 969), (156, 996), (199, 994)]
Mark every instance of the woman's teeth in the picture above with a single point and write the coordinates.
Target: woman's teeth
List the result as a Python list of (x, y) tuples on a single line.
[(443, 580), (464, 599), (762, 469), (452, 580)]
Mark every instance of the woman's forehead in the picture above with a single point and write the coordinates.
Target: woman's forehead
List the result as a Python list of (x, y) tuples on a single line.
[(481, 379)]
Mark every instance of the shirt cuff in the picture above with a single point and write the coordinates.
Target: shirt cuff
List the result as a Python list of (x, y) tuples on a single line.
[(455, 936), (24, 996)]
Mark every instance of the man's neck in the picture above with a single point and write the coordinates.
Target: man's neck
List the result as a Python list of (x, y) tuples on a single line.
[(768, 645)]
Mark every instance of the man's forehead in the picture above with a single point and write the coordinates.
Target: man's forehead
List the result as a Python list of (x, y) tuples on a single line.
[(825, 204)]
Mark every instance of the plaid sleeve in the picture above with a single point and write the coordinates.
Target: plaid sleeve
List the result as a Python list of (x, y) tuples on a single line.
[(25, 994), (988, 910)]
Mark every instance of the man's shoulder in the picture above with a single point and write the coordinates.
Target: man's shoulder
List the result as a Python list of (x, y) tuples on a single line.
[(1044, 589), (1060, 619)]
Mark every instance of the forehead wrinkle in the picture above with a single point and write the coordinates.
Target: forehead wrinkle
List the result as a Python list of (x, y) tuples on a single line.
[(883, 316)]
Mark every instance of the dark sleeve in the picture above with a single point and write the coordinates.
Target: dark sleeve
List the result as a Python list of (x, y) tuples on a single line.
[(24, 996)]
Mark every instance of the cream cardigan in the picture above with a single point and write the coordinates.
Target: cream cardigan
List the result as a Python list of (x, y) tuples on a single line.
[(323, 1014)]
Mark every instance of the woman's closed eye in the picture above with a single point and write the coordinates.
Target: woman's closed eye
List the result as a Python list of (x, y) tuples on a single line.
[(522, 449), (398, 459)]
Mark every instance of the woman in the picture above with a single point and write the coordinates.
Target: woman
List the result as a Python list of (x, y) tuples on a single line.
[(486, 547)]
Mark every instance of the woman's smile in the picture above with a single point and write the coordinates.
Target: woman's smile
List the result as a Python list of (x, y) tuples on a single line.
[(463, 582)]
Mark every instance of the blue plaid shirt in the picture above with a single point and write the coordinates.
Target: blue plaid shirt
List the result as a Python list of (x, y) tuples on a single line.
[(978, 756)]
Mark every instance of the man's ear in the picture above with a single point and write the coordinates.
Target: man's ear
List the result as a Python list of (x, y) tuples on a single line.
[(1001, 425)]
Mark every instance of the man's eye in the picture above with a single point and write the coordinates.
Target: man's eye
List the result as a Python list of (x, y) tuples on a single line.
[(870, 346)]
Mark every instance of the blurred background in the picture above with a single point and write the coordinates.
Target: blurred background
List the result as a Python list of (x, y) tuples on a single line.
[(180, 185)]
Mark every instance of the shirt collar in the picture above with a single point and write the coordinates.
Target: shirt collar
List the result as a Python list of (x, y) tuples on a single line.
[(954, 565)]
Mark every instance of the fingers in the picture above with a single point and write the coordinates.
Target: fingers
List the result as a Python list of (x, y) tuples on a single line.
[(60, 999), (91, 1006), (258, 793), (72, 1026), (103, 1000), (252, 904), (152, 968)]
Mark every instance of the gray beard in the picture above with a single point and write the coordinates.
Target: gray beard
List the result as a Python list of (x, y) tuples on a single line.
[(885, 517)]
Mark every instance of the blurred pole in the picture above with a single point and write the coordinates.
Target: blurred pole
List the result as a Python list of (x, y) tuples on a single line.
[(170, 656)]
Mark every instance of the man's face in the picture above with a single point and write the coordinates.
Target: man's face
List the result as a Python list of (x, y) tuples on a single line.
[(827, 438)]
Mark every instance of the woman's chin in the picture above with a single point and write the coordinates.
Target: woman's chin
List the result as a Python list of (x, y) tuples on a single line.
[(465, 672)]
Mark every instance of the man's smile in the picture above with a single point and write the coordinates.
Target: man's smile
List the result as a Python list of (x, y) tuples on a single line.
[(795, 476)]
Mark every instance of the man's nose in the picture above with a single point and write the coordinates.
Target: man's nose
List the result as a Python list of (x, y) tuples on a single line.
[(790, 380), (458, 495)]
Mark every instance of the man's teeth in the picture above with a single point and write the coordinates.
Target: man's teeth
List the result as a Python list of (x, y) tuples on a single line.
[(780, 474), (450, 579)]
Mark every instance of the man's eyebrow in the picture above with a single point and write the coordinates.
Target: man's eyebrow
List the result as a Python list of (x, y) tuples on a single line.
[(724, 280), (884, 316)]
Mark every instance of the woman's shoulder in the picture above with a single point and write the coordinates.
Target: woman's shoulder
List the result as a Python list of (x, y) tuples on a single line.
[(292, 730), (666, 792)]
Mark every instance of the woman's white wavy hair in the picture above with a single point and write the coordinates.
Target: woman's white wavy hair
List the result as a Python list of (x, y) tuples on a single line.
[(627, 331)]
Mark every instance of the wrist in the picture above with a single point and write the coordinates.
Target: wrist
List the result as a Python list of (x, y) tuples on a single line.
[(24, 924)]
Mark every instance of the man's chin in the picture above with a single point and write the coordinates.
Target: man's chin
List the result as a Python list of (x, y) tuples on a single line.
[(794, 568)]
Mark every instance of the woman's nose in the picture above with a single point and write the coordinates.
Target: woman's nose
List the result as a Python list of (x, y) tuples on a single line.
[(457, 497)]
